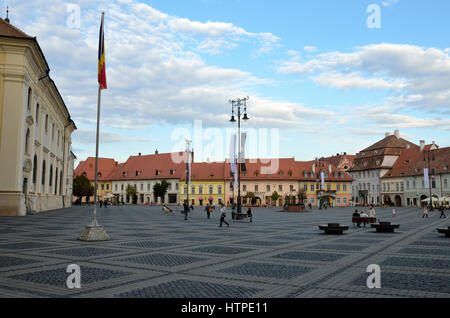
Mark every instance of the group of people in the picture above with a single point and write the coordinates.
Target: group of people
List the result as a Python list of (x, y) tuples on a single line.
[(103, 203), (363, 214), (210, 208), (440, 209)]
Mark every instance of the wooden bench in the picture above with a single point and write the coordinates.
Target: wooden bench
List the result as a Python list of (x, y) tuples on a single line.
[(385, 227), (241, 216), (445, 231), (333, 228), (364, 220)]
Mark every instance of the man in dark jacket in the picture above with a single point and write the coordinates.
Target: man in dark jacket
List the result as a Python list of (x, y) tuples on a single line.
[(186, 210)]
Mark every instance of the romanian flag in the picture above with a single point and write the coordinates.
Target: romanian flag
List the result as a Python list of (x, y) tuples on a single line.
[(101, 57)]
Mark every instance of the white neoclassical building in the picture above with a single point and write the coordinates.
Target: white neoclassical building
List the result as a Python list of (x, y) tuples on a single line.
[(35, 129)]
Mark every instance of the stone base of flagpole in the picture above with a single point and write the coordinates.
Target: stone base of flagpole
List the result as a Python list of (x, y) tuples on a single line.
[(93, 232)]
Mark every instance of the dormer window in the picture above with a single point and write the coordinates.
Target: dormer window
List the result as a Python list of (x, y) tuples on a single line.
[(99, 174), (84, 174), (124, 174), (157, 172), (290, 173), (137, 173), (172, 172)]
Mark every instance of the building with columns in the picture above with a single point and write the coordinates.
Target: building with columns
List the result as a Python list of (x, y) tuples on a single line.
[(35, 129)]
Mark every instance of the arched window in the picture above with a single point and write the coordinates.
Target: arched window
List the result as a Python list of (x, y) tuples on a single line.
[(56, 181), (60, 182), (29, 98), (34, 169), (27, 141), (43, 173), (50, 180), (37, 114)]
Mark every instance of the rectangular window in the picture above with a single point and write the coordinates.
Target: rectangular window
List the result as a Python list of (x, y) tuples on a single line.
[(280, 188), (445, 183), (312, 187), (219, 189), (344, 188), (103, 187), (142, 187), (115, 187), (338, 187), (193, 189), (29, 98), (107, 187), (328, 187), (338, 200), (345, 200), (305, 187), (244, 187), (256, 188), (268, 188), (121, 187), (148, 187), (313, 200), (291, 188)]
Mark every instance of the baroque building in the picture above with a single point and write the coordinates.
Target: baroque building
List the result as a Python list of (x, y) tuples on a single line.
[(35, 129)]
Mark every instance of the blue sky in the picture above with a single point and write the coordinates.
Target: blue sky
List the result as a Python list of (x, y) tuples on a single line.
[(313, 69)]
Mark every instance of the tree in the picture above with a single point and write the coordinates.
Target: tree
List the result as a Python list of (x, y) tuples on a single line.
[(131, 192), (82, 187), (275, 196), (160, 189), (301, 196)]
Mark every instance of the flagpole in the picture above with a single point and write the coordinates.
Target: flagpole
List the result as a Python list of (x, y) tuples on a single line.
[(94, 220), (95, 232)]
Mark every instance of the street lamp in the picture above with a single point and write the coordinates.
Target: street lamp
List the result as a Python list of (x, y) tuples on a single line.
[(428, 155), (236, 110)]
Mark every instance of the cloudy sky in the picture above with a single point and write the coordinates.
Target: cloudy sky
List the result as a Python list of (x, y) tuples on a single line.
[(314, 70)]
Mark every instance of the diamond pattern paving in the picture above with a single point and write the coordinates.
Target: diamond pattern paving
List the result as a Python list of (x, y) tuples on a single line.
[(267, 270), (191, 289)]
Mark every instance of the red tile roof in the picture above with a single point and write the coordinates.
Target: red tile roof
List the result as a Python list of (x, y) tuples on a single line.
[(105, 167), (206, 171), (157, 166), (9, 30), (373, 156)]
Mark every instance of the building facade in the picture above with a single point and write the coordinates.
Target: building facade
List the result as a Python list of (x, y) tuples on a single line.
[(371, 164), (35, 129), (143, 172)]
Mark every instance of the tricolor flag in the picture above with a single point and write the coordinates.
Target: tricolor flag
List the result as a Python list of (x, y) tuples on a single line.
[(101, 57)]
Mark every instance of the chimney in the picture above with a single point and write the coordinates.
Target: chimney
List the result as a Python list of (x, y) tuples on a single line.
[(387, 134), (140, 154), (397, 133), (156, 151), (422, 145)]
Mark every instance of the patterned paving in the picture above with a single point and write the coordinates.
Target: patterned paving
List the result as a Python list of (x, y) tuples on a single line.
[(159, 255)]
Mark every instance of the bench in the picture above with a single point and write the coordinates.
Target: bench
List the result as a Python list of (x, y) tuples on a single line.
[(445, 231), (333, 228), (241, 216), (366, 220), (385, 227)]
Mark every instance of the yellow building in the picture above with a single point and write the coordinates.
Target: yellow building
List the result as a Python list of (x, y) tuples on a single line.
[(35, 129), (207, 184)]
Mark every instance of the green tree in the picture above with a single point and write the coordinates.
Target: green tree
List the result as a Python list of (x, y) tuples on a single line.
[(275, 196), (131, 192), (160, 189), (301, 196), (82, 187)]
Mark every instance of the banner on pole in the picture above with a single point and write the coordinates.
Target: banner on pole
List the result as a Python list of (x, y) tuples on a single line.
[(426, 179)]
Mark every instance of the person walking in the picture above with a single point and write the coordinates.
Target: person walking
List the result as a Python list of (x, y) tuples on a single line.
[(208, 210), (101, 203), (223, 216), (441, 209), (105, 203), (249, 214), (372, 212), (186, 210), (425, 212)]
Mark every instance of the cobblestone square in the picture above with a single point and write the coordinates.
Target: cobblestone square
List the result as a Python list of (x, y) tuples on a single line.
[(278, 255)]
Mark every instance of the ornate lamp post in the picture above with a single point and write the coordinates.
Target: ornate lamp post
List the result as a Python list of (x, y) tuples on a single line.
[(428, 155), (236, 110)]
